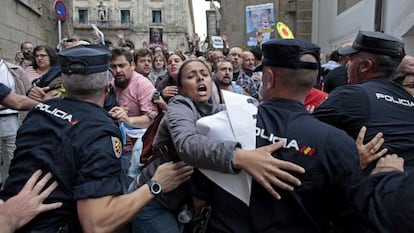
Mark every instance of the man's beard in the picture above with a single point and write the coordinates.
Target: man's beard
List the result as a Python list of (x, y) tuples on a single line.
[(121, 82), (226, 81)]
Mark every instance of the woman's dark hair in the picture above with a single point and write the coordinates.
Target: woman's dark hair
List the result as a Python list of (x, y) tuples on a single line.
[(53, 57), (184, 64)]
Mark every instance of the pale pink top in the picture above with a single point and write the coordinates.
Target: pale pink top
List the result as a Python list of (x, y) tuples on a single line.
[(32, 74), (137, 96)]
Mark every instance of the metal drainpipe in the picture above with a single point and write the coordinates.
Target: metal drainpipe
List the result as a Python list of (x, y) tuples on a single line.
[(378, 16)]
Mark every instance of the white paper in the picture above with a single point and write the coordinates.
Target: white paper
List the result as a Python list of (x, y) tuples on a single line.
[(217, 42), (236, 123)]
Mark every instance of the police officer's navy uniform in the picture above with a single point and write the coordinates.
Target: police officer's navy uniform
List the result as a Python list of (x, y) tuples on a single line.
[(387, 200), (379, 103), (78, 143), (328, 155)]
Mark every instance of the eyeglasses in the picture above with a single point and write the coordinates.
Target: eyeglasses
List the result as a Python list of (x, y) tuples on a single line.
[(41, 55)]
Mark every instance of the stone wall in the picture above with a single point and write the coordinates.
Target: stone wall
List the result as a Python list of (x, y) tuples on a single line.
[(26, 20)]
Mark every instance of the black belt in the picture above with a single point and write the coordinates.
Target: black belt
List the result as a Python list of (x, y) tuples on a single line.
[(8, 114)]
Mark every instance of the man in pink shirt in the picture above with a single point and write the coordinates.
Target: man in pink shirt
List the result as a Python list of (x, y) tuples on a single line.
[(134, 93)]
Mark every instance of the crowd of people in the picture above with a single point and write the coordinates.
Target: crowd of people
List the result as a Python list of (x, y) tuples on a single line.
[(333, 141)]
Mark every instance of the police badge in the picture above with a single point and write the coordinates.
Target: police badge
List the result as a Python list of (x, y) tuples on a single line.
[(117, 146)]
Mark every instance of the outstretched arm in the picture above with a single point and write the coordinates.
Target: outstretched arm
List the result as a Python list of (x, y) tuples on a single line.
[(267, 170), (28, 203), (108, 213), (18, 102)]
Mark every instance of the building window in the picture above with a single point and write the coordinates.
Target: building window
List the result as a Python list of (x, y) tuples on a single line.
[(83, 16), (343, 5), (156, 16), (125, 16)]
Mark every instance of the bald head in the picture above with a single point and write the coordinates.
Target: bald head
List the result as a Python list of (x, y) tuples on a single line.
[(248, 61), (235, 57)]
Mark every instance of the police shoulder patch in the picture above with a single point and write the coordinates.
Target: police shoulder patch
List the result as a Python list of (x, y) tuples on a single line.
[(117, 146)]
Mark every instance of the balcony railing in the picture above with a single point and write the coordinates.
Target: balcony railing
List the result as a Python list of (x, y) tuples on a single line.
[(104, 24)]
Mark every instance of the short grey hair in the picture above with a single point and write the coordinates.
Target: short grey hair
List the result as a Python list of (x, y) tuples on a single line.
[(81, 86), (382, 63)]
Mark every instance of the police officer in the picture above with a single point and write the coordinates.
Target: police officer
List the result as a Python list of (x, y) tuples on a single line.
[(375, 101), (75, 139), (329, 155)]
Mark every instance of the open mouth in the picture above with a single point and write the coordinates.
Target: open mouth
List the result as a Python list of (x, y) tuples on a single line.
[(201, 88)]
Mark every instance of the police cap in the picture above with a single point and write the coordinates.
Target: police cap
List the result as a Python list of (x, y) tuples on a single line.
[(85, 59), (376, 43), (287, 53)]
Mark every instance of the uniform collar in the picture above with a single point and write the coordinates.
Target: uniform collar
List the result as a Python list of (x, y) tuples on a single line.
[(281, 104)]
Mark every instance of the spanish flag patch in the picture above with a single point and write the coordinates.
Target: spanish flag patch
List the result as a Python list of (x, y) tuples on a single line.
[(307, 150)]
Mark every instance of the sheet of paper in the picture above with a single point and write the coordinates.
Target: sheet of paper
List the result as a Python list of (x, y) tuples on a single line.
[(236, 123)]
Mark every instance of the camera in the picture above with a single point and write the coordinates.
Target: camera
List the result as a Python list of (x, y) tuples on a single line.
[(156, 96)]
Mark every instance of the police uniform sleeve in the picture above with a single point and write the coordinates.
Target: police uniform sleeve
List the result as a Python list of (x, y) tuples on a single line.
[(99, 168), (4, 91), (379, 200), (346, 108)]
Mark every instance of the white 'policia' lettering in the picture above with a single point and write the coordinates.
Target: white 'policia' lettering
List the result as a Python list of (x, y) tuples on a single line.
[(391, 99), (273, 139), (55, 112)]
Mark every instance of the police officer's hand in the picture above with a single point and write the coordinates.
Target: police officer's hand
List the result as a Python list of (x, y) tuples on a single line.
[(170, 175), (369, 152), (28, 203), (389, 163), (268, 171)]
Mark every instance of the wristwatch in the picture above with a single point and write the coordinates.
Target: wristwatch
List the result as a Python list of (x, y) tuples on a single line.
[(155, 187)]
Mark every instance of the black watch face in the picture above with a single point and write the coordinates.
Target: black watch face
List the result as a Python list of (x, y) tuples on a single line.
[(156, 187)]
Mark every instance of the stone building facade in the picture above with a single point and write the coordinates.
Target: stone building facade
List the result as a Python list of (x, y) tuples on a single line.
[(296, 14), (26, 20), (136, 19)]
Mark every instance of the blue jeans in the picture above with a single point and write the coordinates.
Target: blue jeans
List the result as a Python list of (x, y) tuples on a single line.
[(154, 218)]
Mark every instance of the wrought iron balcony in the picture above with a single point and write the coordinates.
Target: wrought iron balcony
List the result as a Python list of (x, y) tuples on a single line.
[(104, 24)]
